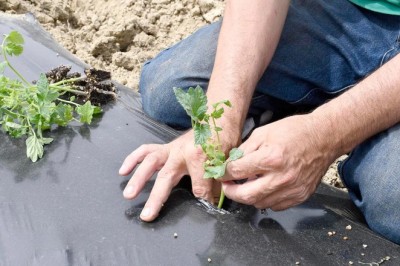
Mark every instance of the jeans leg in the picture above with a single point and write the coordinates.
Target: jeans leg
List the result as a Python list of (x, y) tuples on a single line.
[(186, 64), (372, 175)]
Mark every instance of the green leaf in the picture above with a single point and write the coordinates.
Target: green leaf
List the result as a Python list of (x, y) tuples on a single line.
[(34, 148), (201, 133), (85, 112), (13, 125), (217, 113), (194, 101), (235, 154), (13, 43), (3, 66), (216, 172), (225, 102), (44, 92), (47, 140), (62, 114)]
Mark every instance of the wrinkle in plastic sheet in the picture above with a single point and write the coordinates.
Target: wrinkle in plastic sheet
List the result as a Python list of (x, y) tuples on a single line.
[(68, 209)]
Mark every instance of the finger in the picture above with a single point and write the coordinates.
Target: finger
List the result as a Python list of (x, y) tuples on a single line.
[(251, 164), (152, 163), (248, 193), (136, 157), (201, 188), (167, 178), (284, 198)]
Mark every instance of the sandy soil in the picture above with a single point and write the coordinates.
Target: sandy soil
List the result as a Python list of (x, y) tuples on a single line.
[(120, 35)]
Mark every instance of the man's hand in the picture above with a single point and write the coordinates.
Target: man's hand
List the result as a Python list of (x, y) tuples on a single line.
[(283, 163), (173, 161)]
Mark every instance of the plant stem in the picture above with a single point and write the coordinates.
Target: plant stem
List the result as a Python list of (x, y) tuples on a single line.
[(66, 101), (221, 199), (68, 89), (14, 70), (71, 80)]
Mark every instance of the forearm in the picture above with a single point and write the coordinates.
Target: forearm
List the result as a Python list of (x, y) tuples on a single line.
[(371, 106), (249, 35)]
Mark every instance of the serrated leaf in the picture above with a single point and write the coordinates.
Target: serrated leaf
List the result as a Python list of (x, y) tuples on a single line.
[(201, 133), (34, 148), (214, 171), (62, 114), (235, 154), (194, 101), (13, 43), (85, 112)]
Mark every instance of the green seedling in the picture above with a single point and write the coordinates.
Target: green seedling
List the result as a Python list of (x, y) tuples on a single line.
[(194, 101), (28, 109)]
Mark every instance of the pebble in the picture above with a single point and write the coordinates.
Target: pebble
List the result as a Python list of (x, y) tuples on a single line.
[(330, 234), (351, 263), (345, 238), (348, 227), (297, 262), (175, 235), (209, 260), (365, 245)]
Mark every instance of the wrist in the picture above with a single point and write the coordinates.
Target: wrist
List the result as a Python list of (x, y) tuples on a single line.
[(323, 135)]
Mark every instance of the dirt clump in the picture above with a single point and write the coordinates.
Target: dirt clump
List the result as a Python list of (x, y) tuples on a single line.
[(118, 35)]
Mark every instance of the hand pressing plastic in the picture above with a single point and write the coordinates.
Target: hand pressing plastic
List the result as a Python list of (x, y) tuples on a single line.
[(283, 163), (173, 160)]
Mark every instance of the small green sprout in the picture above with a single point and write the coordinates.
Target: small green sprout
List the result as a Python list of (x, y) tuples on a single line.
[(194, 101)]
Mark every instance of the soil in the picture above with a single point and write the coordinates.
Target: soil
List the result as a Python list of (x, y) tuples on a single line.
[(96, 84), (120, 35)]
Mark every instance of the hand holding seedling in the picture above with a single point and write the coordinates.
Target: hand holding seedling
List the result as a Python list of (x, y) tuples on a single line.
[(178, 158), (283, 163)]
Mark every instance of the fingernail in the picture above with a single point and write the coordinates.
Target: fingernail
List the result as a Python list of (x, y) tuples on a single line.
[(122, 169), (145, 212), (128, 191)]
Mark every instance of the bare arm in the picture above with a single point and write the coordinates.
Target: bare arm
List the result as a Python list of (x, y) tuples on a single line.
[(249, 35), (370, 107), (290, 156)]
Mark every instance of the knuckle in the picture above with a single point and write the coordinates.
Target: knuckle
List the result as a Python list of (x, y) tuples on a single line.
[(249, 198), (235, 171), (200, 192), (274, 157)]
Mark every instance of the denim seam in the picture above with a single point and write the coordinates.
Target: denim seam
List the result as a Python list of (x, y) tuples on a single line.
[(327, 92), (394, 47)]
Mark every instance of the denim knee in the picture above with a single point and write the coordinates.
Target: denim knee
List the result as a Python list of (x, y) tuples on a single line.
[(186, 64), (372, 175)]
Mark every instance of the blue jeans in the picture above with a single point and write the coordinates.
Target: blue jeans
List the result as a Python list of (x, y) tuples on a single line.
[(326, 47)]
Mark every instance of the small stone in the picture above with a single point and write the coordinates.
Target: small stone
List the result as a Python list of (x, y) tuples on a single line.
[(209, 260), (348, 227), (362, 254), (333, 233), (351, 263), (330, 234), (345, 238), (365, 245), (175, 235), (297, 262), (387, 258)]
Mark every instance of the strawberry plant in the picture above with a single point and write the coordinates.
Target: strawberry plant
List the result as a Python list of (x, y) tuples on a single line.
[(194, 101), (28, 109)]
